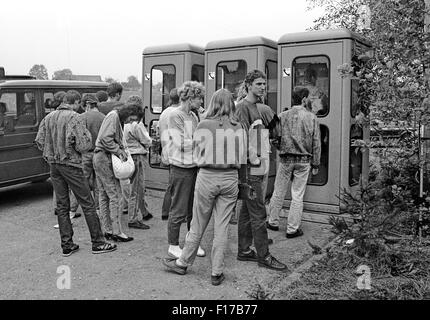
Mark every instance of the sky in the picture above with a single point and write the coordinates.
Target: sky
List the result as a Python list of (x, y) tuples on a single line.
[(107, 38)]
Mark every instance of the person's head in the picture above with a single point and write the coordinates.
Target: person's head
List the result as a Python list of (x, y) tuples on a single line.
[(127, 111), (114, 91), (58, 99), (191, 94), (2, 108), (300, 96), (173, 97), (136, 101), (102, 96), (89, 101), (255, 83), (73, 98), (221, 104)]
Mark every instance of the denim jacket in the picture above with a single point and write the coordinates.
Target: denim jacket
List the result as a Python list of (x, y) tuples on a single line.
[(300, 134), (62, 137)]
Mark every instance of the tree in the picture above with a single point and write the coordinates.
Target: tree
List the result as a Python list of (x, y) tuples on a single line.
[(64, 74), (39, 71), (133, 83), (110, 80)]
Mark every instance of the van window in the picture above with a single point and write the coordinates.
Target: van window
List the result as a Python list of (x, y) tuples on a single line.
[(163, 79), (48, 98), (21, 107), (230, 75), (313, 73)]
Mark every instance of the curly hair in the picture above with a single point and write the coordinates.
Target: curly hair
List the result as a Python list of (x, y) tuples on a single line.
[(191, 90), (252, 75), (135, 99)]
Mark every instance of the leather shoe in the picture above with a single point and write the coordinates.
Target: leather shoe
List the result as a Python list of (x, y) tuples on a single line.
[(298, 233), (116, 237), (147, 217), (138, 225), (271, 227), (250, 256), (217, 280), (270, 262), (170, 263)]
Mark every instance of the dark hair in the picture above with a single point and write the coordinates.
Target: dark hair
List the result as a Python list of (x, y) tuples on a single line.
[(91, 98), (173, 97), (58, 99), (114, 88), (126, 111), (102, 95), (71, 97), (298, 94), (252, 75)]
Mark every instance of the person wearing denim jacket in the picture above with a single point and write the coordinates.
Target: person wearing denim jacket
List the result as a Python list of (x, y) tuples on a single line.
[(299, 151)]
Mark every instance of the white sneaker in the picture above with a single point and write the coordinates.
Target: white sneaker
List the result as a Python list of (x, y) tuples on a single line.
[(201, 252), (174, 251)]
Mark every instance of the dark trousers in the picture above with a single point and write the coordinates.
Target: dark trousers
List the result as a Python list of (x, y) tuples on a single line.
[(63, 177), (183, 181), (252, 221), (167, 199)]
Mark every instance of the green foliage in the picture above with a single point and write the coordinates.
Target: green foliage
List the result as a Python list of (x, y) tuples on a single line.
[(39, 71)]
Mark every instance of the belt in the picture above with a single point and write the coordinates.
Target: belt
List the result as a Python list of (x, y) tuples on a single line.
[(295, 158)]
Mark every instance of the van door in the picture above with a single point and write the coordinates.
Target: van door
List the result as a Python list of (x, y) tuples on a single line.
[(19, 157)]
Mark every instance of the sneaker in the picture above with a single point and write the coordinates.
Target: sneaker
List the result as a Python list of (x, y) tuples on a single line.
[(217, 280), (138, 225), (147, 217), (69, 251), (117, 237), (270, 262), (250, 256), (164, 217), (174, 251), (170, 263), (105, 247), (271, 226), (298, 233), (74, 215), (201, 252)]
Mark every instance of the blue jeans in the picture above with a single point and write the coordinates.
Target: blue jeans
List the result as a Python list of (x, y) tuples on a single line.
[(252, 221), (181, 208), (63, 176)]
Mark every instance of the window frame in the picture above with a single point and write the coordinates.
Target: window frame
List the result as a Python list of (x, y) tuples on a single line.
[(151, 86), (329, 79)]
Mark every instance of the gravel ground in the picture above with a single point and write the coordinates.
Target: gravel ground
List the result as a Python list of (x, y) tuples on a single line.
[(31, 256)]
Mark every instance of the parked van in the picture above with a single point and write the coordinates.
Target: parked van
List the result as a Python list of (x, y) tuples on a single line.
[(23, 105)]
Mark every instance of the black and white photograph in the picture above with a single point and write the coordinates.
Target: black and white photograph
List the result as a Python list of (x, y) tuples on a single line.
[(215, 154)]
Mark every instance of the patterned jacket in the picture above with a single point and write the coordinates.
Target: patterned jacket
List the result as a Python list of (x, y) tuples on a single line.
[(300, 134), (62, 137)]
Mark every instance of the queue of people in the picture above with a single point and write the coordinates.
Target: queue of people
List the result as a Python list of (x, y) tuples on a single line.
[(214, 161)]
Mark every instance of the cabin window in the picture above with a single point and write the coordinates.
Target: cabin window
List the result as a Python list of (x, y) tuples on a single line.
[(198, 73), (321, 178), (19, 107), (230, 75), (313, 73), (163, 79), (272, 84)]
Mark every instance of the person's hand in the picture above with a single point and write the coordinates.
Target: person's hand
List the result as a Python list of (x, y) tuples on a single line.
[(314, 171)]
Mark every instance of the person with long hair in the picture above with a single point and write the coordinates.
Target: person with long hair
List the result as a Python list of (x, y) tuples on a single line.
[(219, 151)]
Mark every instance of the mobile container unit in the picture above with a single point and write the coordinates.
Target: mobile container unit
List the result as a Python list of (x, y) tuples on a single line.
[(311, 59), (165, 68)]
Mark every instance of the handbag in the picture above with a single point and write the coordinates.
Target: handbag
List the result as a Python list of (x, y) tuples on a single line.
[(123, 169)]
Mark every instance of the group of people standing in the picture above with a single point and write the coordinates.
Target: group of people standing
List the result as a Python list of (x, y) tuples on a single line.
[(78, 140), (211, 154)]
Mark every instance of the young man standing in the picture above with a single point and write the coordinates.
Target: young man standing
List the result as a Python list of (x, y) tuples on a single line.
[(62, 137), (163, 125), (114, 91), (299, 151), (183, 170), (252, 216)]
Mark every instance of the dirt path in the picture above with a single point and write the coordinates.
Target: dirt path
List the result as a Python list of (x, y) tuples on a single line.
[(31, 254)]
